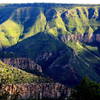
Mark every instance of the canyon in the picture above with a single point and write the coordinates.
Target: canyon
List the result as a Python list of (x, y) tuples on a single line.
[(47, 49)]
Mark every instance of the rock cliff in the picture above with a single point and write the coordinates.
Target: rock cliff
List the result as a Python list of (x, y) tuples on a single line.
[(35, 91)]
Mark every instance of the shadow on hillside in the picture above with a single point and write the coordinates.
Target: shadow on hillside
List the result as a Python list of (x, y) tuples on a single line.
[(5, 13), (35, 47), (42, 48), (26, 17)]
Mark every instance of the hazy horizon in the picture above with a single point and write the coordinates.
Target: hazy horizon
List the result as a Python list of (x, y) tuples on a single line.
[(53, 1)]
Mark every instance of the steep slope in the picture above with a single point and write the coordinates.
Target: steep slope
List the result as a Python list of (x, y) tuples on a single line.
[(26, 64), (55, 37), (43, 49), (79, 18), (40, 91), (83, 62), (9, 33), (22, 21), (11, 75), (18, 84), (67, 64)]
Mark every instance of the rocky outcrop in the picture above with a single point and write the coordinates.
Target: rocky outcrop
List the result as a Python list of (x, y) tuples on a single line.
[(71, 37), (35, 91), (19, 22), (33, 40), (86, 38), (23, 63)]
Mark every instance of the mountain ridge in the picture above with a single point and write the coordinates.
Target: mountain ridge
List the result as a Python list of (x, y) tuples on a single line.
[(60, 21), (60, 39)]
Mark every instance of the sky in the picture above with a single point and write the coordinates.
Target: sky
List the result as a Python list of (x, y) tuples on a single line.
[(53, 1)]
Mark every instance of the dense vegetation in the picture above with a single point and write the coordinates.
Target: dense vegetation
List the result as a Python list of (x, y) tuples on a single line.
[(11, 75), (87, 90)]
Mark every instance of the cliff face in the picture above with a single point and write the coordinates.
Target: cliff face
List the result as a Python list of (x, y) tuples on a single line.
[(35, 91), (24, 64), (85, 38), (11, 75), (55, 37), (22, 21)]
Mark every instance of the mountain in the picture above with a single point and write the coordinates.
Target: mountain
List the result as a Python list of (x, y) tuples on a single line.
[(11, 75), (24, 20), (18, 84), (61, 40)]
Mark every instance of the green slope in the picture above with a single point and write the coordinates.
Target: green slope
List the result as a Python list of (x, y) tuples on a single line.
[(42, 47), (21, 22), (34, 30), (11, 75), (85, 60), (9, 33)]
